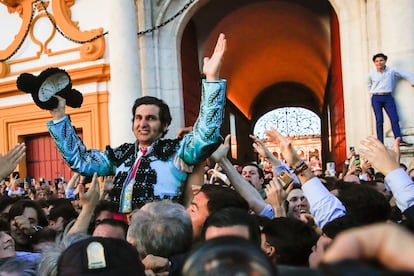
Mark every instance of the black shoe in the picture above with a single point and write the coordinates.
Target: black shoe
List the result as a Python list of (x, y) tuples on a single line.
[(405, 144)]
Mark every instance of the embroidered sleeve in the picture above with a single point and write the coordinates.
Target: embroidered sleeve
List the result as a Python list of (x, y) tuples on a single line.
[(75, 153), (196, 146)]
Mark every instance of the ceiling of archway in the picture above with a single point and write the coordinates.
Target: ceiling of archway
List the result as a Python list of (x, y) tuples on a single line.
[(269, 42)]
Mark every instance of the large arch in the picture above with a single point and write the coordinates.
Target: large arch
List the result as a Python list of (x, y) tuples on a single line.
[(272, 44)]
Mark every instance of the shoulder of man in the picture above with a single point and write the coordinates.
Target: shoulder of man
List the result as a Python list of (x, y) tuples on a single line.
[(119, 154), (165, 148)]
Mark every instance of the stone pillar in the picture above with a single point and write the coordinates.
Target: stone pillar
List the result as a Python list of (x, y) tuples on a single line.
[(125, 73), (397, 42)]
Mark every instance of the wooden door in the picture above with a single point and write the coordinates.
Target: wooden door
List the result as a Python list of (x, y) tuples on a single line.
[(44, 160)]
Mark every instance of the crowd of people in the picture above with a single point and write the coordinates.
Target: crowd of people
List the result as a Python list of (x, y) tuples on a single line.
[(181, 207)]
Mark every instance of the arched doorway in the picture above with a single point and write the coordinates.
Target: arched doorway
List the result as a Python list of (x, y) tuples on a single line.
[(300, 125), (280, 53)]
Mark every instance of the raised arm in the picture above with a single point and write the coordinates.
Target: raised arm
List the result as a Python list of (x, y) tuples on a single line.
[(205, 137), (396, 179), (73, 151), (247, 191), (88, 201), (263, 151), (324, 206)]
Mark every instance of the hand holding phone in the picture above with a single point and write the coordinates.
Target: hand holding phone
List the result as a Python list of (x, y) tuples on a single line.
[(285, 178)]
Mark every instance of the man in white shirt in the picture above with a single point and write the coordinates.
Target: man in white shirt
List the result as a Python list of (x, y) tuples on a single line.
[(381, 84)]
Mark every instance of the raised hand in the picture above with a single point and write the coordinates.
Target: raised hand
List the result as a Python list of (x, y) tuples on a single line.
[(91, 197), (221, 152), (183, 131), (9, 161), (212, 65), (59, 111), (383, 159), (288, 151), (108, 183), (276, 196)]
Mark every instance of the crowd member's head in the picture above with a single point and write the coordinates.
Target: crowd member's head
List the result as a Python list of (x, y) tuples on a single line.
[(254, 175), (42, 194), (111, 228), (5, 205), (364, 204), (210, 199), (296, 203), (227, 256), (43, 239), (104, 210), (7, 248), (288, 241), (329, 232), (60, 215), (160, 228), (24, 216), (378, 182), (232, 222)]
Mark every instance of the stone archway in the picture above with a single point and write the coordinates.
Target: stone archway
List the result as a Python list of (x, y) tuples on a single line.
[(256, 26)]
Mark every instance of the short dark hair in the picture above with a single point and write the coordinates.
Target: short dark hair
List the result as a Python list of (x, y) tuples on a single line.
[(104, 205), (364, 204), (165, 115), (259, 170), (220, 197), (18, 207), (227, 256), (232, 216), (5, 201), (292, 239), (64, 210), (115, 223), (379, 55)]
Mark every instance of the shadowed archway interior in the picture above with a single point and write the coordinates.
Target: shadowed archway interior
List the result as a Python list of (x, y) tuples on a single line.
[(281, 53)]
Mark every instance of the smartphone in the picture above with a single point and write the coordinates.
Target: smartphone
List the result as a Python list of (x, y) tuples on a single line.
[(357, 161), (285, 178), (330, 167)]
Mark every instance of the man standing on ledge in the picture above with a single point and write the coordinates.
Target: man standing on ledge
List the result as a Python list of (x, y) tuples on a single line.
[(152, 168), (381, 84)]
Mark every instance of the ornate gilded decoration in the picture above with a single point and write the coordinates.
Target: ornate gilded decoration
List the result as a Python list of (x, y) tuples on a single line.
[(10, 3), (92, 41)]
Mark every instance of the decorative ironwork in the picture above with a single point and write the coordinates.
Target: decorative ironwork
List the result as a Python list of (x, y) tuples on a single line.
[(181, 11), (289, 121)]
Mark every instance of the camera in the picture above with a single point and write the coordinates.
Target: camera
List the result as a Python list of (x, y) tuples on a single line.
[(285, 179)]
